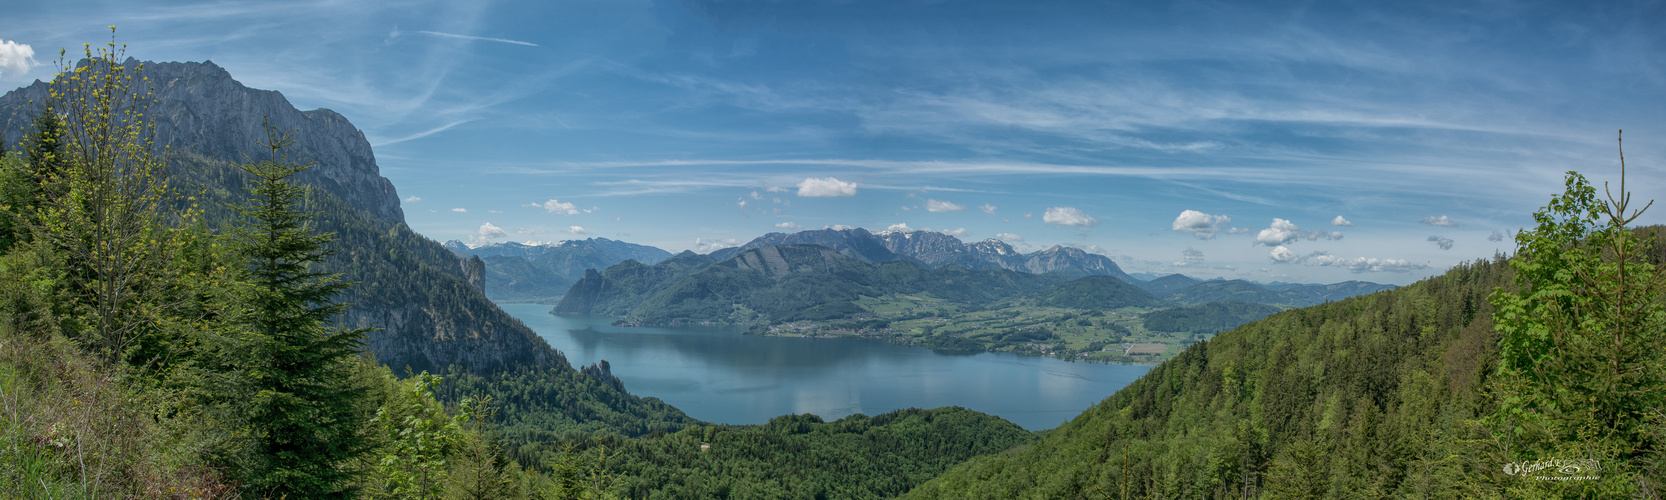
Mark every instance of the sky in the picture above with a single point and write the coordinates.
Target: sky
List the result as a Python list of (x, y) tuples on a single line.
[(1272, 141)]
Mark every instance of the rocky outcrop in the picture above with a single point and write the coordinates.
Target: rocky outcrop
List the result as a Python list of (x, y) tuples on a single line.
[(602, 371), (474, 271), (200, 109)]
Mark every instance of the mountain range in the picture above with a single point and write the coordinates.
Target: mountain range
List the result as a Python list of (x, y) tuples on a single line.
[(518, 272), (934, 250), (822, 274)]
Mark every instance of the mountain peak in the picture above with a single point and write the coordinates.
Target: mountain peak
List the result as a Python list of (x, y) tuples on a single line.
[(200, 110)]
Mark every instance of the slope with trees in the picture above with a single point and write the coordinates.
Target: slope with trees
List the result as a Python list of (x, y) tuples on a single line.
[(1409, 393)]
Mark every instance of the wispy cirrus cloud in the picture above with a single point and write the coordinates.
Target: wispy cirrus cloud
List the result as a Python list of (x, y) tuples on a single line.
[(481, 38)]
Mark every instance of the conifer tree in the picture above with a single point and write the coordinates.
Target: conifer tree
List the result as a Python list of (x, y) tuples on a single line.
[(295, 368), (1582, 378)]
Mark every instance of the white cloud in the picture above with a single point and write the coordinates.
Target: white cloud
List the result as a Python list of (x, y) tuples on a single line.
[(1068, 216), (988, 209), (494, 211), (775, 189), (472, 37), (942, 206), (556, 206), (489, 231), (1238, 230), (1439, 221), (701, 245), (1315, 235), (577, 230), (825, 187), (788, 225), (15, 58), (1496, 236), (1363, 264), (901, 227), (1200, 224), (756, 196), (460, 210), (412, 199), (1443, 243), (1029, 215), (839, 227), (959, 232), (1282, 255), (1009, 237), (1339, 221), (1191, 256), (1280, 232)]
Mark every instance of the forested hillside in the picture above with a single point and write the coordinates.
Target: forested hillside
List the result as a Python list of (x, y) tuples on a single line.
[(1396, 394), (1348, 399)]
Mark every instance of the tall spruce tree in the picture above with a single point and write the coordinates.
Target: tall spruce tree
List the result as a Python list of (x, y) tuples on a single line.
[(298, 393)]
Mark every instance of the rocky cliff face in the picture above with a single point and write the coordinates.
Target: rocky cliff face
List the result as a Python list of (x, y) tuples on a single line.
[(474, 271), (200, 109)]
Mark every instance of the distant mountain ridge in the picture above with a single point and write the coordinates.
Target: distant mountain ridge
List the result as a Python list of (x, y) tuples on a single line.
[(778, 283), (934, 250)]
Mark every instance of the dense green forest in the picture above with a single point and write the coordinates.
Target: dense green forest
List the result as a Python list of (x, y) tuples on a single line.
[(1207, 318), (801, 456)]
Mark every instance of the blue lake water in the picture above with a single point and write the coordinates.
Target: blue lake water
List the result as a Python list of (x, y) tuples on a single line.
[(719, 375)]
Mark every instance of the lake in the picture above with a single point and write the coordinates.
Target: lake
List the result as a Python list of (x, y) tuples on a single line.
[(719, 375)]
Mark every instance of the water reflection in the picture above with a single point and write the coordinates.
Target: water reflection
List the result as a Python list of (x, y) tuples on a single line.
[(719, 375)]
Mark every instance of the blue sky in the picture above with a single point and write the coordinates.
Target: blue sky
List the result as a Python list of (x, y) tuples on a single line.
[(1211, 138)]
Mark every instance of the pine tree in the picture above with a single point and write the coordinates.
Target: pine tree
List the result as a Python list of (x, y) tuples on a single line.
[(294, 366)]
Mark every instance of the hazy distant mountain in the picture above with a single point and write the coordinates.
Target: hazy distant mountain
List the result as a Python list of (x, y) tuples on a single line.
[(1167, 284), (936, 250), (856, 243), (1096, 292), (517, 272), (1248, 291)]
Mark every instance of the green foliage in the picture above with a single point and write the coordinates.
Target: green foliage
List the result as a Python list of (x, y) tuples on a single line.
[(103, 201), (1583, 330), (799, 456), (289, 368), (1207, 318), (581, 475)]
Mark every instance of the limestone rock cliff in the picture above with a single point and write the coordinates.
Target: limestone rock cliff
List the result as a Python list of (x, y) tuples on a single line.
[(200, 109)]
